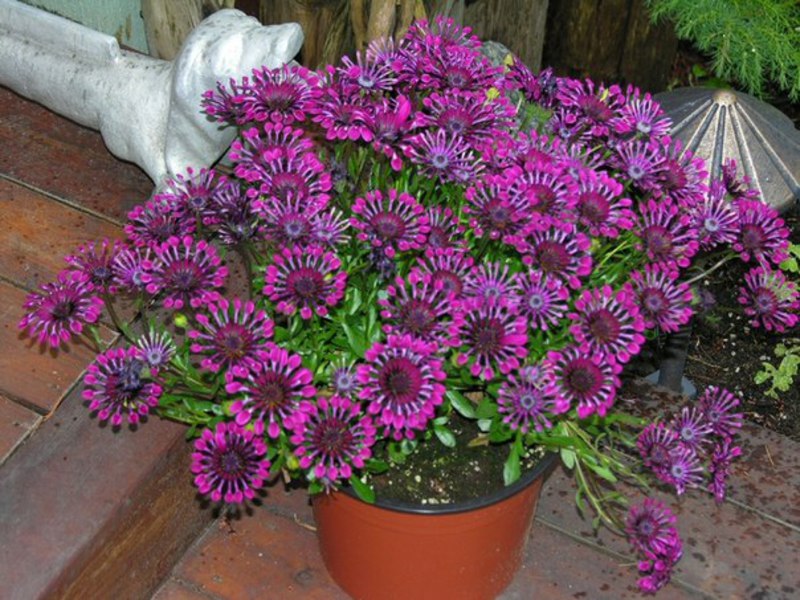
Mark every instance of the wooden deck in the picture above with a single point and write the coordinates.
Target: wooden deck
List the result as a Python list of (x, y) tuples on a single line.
[(89, 513)]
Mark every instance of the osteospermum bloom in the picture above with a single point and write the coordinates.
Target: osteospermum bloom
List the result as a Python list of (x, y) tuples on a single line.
[(187, 272), (59, 310), (230, 334), (442, 155), (259, 152), (344, 380), (446, 269), (545, 192), (609, 323), (131, 268), (329, 228), (154, 222), (656, 568), (526, 402), (115, 386), (558, 252), (717, 405), (650, 526), (415, 307), (595, 107), (288, 222), (663, 302), (763, 236), (667, 233), (641, 161), (272, 387), (279, 95), (465, 114), (191, 194), (494, 338), (692, 428), (393, 222), (391, 124), (97, 260), (333, 436), (304, 178), (587, 382), (684, 469), (599, 207), (656, 443), (229, 463), (493, 213), (308, 279), (492, 283), (769, 299), (401, 381), (640, 116), (715, 218), (445, 230), (719, 466), (542, 299), (341, 116), (682, 176), (368, 72), (156, 349)]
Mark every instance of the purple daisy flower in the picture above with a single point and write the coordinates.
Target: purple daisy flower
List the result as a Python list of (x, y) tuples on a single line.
[(341, 116), (131, 268), (329, 228), (401, 382), (258, 152), (717, 405), (332, 437), (595, 107), (60, 309), (156, 349), (719, 467), (229, 463), (230, 334), (219, 103), (588, 381), (391, 125), (234, 222), (446, 270), (155, 222), (558, 252), (543, 299), (526, 402), (539, 89), (664, 302), (445, 230), (272, 387), (692, 428), (684, 470), (738, 188), (650, 526), (682, 176), (493, 212), (715, 218), (494, 337), (763, 236), (657, 567), (187, 272), (442, 155), (490, 283), (769, 299), (640, 116), (96, 260), (192, 194), (344, 380), (656, 443), (545, 193), (368, 73), (418, 309), (304, 178), (641, 161), (287, 222), (599, 208), (279, 95), (115, 386), (394, 222), (305, 278), (466, 115), (667, 234)]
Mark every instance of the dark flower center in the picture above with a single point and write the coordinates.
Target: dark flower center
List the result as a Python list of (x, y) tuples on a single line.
[(595, 109), (552, 257), (658, 241), (593, 207), (272, 392), (752, 237), (233, 340), (673, 177), (232, 465), (450, 282), (332, 437), (183, 276), (499, 214), (305, 283), (487, 335), (401, 380), (654, 301), (457, 77), (439, 160), (389, 226), (278, 96), (418, 318), (541, 196), (283, 185), (604, 326), (583, 378), (765, 302), (63, 310)]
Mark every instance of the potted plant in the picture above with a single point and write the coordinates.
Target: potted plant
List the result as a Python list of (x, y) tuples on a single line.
[(413, 256)]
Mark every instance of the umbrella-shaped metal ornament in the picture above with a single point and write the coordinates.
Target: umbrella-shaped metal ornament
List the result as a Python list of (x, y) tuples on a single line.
[(725, 124)]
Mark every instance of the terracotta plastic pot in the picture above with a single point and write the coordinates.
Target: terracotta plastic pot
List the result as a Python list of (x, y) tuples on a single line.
[(390, 550)]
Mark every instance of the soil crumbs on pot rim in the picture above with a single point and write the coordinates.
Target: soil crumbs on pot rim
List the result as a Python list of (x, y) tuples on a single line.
[(437, 475)]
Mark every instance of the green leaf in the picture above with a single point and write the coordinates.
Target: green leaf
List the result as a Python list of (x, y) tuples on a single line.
[(445, 436), (486, 409), (362, 490), (355, 338), (461, 403), (511, 468), (568, 458)]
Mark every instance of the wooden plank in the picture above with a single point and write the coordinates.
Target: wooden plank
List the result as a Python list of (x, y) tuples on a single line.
[(39, 232), (16, 422), (29, 373), (53, 154), (88, 512)]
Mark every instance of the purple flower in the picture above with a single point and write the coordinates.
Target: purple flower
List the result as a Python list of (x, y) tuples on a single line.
[(736, 187), (155, 222), (716, 218), (769, 299), (493, 213), (287, 222), (656, 443), (229, 463), (762, 234), (394, 222), (588, 381), (546, 193), (344, 381), (234, 222), (219, 103), (526, 402), (131, 268), (115, 386), (279, 95), (187, 272), (543, 299), (259, 152), (418, 309), (60, 309), (445, 230), (595, 108), (390, 125), (97, 261), (721, 458), (640, 116), (717, 405), (401, 382), (490, 283), (156, 349), (663, 302), (305, 278), (192, 195), (466, 115), (230, 334), (329, 228), (667, 233), (557, 252), (442, 155), (599, 208), (368, 73), (682, 176), (331, 438), (272, 387), (650, 526), (303, 178), (608, 322), (446, 269), (692, 428), (342, 117), (494, 337), (684, 469), (642, 162)]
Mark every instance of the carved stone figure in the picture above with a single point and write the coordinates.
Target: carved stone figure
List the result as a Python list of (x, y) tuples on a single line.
[(147, 110)]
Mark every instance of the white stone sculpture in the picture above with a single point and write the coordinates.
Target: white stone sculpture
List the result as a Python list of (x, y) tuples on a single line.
[(147, 110)]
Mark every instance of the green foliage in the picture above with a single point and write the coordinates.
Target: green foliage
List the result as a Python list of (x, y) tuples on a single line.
[(750, 41), (780, 378), (791, 265)]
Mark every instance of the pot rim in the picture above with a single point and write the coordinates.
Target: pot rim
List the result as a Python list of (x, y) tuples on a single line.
[(541, 469)]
